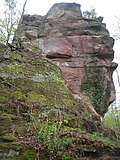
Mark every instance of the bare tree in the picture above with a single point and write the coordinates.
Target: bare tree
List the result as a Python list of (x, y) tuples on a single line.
[(12, 17)]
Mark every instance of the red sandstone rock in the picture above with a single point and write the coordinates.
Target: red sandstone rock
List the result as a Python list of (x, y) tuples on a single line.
[(82, 48)]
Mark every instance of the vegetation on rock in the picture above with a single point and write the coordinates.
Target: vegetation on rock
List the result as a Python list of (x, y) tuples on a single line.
[(40, 118)]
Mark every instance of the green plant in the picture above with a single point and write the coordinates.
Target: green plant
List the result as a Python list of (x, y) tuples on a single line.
[(100, 137), (90, 14), (92, 86), (50, 133), (111, 118)]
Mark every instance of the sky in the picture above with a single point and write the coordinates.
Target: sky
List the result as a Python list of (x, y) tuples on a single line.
[(106, 8)]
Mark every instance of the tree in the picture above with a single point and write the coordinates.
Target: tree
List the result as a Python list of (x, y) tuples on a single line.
[(111, 118), (10, 20), (90, 14)]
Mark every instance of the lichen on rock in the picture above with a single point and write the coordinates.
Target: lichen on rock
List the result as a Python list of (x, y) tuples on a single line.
[(56, 87)]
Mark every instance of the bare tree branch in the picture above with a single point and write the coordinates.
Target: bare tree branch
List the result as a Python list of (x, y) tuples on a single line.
[(12, 17)]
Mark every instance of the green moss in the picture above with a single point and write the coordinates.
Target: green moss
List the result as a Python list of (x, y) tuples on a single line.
[(6, 146), (109, 141), (5, 94), (9, 137), (44, 156), (22, 152), (19, 95), (34, 80), (27, 154), (11, 116), (19, 57), (6, 129), (21, 129), (35, 97), (64, 156)]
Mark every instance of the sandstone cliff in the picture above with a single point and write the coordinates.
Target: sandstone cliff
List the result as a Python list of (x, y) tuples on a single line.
[(56, 84), (81, 48)]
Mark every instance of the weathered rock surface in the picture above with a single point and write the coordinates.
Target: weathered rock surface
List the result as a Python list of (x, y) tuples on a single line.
[(55, 84), (82, 48)]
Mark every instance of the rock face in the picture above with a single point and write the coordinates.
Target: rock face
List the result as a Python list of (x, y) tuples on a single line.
[(55, 84), (82, 48)]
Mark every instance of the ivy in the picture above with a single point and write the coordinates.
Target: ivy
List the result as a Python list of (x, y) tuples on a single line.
[(92, 86)]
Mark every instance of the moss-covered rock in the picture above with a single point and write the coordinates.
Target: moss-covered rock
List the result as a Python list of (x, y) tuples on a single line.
[(14, 151), (30, 84), (6, 129), (30, 79), (38, 115)]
